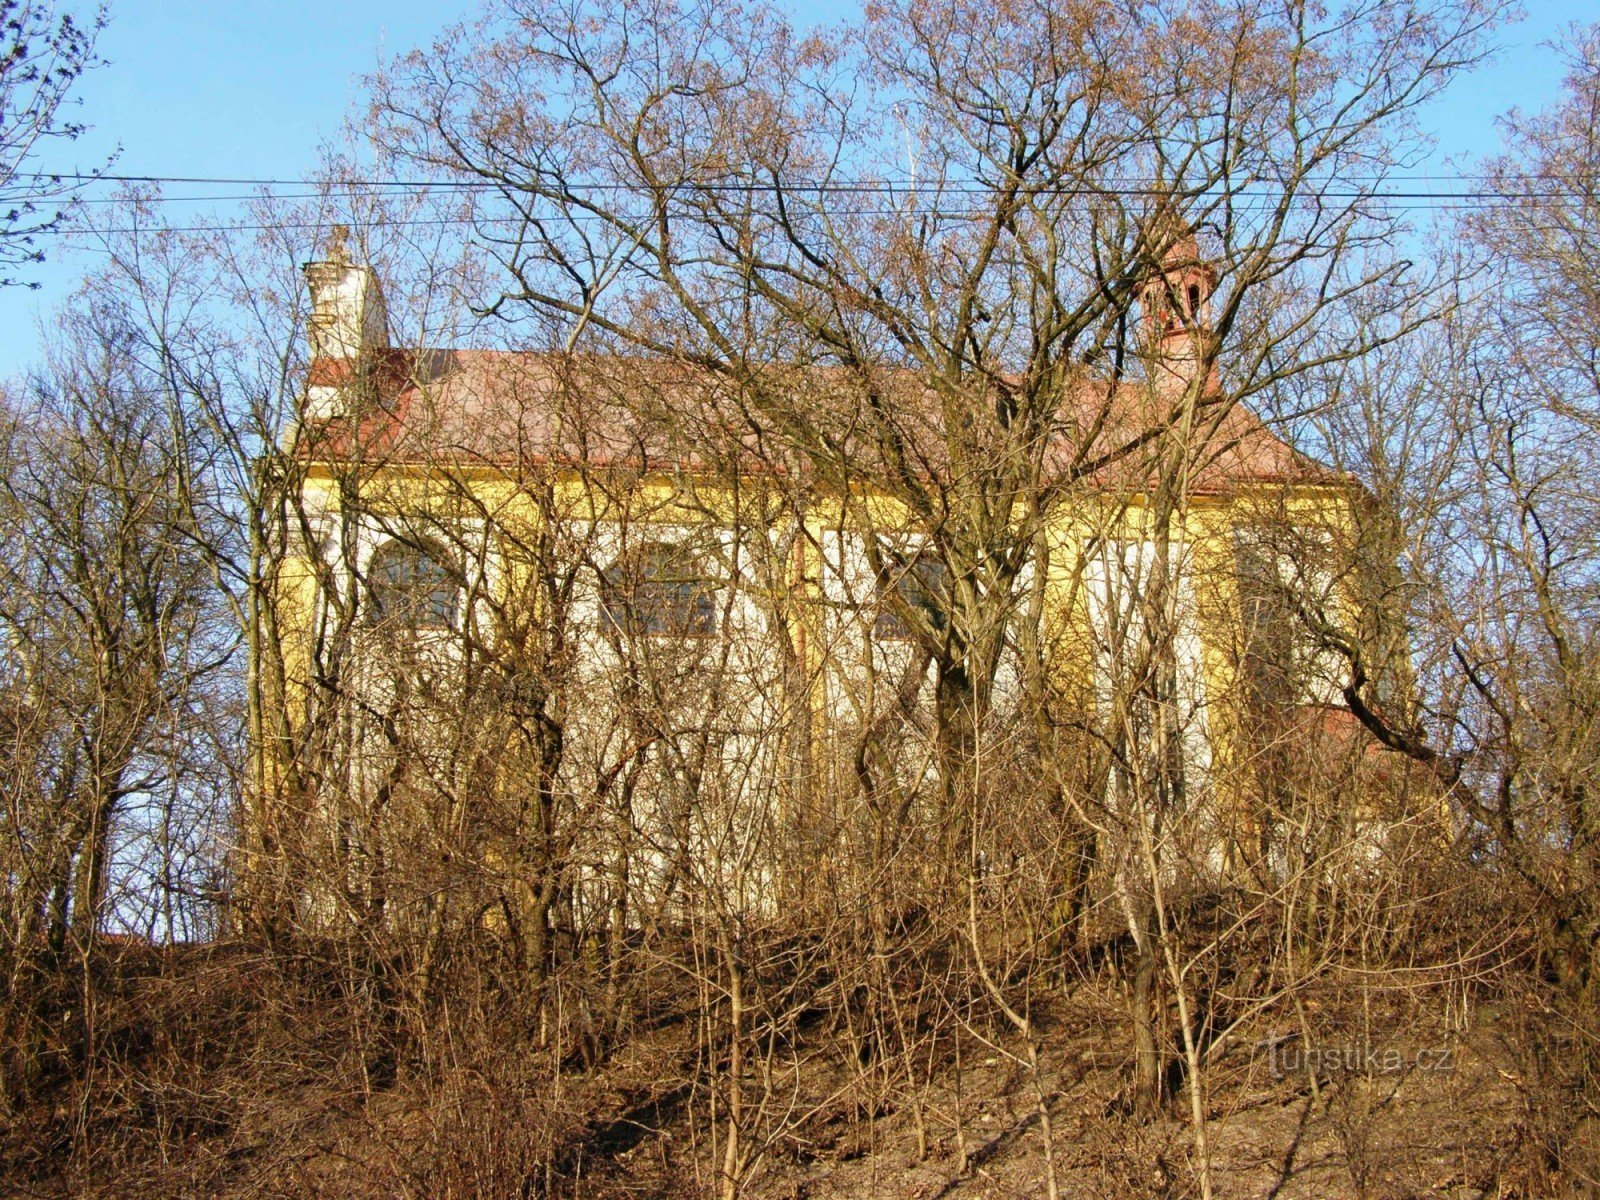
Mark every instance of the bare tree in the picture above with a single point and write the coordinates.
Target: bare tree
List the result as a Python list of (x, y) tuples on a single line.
[(847, 599), (112, 641), (42, 55), (1017, 321), (1479, 442)]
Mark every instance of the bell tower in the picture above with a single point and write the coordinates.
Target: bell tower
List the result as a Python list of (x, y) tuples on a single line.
[(1175, 311)]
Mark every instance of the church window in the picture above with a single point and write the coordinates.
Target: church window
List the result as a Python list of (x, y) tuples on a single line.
[(411, 587), (660, 590)]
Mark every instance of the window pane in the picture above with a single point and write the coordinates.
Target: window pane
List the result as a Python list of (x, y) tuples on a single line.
[(924, 586), (411, 588), (660, 591)]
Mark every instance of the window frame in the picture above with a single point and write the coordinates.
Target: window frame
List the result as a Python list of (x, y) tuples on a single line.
[(426, 562), (922, 583), (659, 589)]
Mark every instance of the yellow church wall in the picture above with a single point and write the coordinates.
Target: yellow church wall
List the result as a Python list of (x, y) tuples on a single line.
[(515, 507)]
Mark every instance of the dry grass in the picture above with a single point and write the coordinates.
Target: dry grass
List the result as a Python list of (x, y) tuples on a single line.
[(230, 1071)]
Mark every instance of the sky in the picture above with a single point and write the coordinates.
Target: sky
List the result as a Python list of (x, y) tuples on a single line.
[(201, 89)]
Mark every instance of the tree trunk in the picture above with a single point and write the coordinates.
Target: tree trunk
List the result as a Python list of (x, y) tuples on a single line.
[(1147, 1078)]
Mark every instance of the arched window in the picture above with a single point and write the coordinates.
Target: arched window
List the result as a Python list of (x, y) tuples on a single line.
[(660, 590), (923, 585), (411, 587)]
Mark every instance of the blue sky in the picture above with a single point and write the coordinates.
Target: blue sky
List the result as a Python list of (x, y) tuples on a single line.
[(205, 89)]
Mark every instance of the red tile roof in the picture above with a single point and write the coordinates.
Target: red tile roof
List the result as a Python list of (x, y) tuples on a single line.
[(506, 408)]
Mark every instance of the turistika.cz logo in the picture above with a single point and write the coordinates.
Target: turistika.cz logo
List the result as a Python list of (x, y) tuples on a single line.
[(1289, 1054)]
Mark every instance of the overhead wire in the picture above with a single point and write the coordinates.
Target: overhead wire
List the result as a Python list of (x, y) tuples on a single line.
[(1114, 183), (1252, 197)]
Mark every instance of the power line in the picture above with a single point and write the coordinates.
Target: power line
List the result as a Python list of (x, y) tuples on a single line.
[(1113, 186), (1256, 197), (442, 222)]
